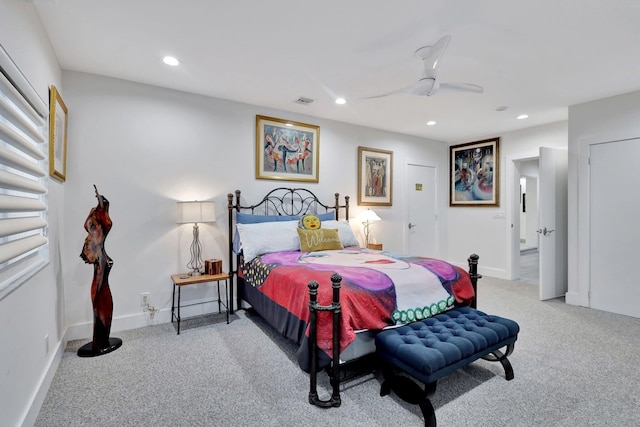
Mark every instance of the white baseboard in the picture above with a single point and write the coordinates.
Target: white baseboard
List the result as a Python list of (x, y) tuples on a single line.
[(123, 323), (140, 320), (45, 382), (574, 298), (493, 272), (485, 271)]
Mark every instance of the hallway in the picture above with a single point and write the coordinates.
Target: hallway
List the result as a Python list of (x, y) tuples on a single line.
[(529, 266)]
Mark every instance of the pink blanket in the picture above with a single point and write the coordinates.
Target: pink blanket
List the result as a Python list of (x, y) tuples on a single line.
[(379, 289)]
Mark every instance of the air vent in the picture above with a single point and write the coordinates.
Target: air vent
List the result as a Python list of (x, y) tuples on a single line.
[(304, 101)]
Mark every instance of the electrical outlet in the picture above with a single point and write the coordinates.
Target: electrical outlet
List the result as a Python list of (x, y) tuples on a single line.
[(46, 344), (144, 299)]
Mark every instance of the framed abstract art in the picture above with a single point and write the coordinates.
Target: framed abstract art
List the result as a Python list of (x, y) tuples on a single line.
[(286, 150), (473, 173), (375, 177)]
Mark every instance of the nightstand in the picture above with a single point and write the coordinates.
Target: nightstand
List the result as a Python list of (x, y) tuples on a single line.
[(375, 246), (180, 280)]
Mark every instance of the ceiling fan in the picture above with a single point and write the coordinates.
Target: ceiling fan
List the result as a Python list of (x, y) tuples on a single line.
[(429, 84)]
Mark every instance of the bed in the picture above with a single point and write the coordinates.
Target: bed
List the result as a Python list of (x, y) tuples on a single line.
[(379, 289)]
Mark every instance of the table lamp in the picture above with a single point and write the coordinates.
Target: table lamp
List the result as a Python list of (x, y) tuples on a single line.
[(367, 217), (196, 212)]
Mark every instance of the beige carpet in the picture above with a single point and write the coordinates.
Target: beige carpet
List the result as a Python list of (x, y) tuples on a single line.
[(573, 367)]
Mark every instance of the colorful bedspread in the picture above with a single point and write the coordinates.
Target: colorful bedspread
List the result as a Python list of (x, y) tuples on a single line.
[(379, 289)]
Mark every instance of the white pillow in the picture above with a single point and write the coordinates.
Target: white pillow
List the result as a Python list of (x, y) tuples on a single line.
[(267, 237), (347, 238)]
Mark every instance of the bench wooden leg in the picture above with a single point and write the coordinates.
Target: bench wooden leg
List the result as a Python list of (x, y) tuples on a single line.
[(497, 356), (409, 391), (428, 413)]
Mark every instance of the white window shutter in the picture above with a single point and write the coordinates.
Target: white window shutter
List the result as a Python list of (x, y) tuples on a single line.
[(23, 178)]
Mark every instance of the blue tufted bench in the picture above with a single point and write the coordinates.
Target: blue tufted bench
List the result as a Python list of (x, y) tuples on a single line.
[(437, 346)]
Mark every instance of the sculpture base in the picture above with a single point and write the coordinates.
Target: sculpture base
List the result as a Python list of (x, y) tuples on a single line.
[(87, 350)]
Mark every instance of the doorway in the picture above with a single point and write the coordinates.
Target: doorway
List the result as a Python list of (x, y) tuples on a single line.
[(422, 214), (551, 218), (528, 219)]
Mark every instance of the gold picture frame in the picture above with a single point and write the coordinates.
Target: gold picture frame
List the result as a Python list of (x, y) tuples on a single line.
[(375, 177), (57, 135), (287, 150), (474, 173)]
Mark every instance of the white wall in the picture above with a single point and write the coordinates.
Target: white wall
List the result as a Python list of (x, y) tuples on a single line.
[(146, 147), (487, 231), (35, 309), (603, 120)]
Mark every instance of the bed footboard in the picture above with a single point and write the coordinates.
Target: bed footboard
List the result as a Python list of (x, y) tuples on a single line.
[(474, 276), (335, 308)]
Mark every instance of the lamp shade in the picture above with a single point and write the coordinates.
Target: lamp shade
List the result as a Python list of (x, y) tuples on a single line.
[(196, 212), (369, 216)]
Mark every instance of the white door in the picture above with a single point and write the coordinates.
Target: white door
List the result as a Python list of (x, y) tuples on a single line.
[(422, 236), (614, 235), (552, 222)]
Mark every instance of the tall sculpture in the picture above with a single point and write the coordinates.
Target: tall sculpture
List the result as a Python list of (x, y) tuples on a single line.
[(98, 224)]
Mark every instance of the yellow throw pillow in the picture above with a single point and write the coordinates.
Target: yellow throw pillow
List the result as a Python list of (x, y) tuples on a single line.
[(319, 240)]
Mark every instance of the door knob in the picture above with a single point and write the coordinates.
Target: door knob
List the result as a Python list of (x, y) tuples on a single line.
[(544, 231), (412, 225)]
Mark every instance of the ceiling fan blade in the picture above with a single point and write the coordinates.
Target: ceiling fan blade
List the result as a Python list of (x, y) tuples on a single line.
[(431, 56), (429, 83), (421, 87), (461, 87)]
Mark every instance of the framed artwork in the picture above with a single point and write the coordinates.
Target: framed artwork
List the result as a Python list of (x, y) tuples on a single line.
[(473, 173), (57, 135), (375, 176), (286, 150)]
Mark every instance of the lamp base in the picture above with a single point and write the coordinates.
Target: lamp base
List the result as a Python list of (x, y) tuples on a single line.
[(195, 273)]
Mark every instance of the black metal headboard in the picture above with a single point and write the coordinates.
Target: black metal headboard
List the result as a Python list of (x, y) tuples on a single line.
[(289, 201), (279, 201)]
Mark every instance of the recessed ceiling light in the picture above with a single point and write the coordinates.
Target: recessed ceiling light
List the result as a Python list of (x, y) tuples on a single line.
[(170, 60), (341, 101), (431, 122), (522, 116)]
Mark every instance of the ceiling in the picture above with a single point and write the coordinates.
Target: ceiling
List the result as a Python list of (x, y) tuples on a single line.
[(534, 57)]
